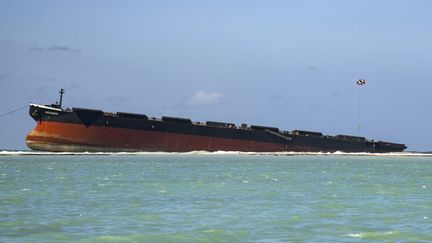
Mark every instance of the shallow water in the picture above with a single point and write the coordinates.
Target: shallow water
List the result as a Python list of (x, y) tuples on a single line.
[(215, 198)]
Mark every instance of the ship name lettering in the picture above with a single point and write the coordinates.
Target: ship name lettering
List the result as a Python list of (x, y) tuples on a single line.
[(51, 113)]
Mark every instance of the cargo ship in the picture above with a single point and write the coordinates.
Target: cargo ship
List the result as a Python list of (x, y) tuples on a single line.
[(91, 130)]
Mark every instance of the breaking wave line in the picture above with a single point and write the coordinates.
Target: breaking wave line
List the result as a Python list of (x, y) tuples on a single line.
[(338, 153)]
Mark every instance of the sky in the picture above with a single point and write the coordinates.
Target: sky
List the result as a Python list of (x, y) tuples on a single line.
[(288, 64)]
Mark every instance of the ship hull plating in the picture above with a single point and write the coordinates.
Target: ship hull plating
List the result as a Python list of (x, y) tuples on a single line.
[(80, 130), (55, 136)]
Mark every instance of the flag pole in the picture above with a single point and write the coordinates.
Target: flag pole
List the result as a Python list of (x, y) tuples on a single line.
[(358, 111), (359, 83)]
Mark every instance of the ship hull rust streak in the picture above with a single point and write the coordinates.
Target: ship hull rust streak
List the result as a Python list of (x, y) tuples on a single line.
[(56, 136)]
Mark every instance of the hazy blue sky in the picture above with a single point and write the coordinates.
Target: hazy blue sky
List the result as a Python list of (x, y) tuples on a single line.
[(290, 64)]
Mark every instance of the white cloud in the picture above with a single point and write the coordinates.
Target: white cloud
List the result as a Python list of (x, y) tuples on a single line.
[(56, 48), (204, 98)]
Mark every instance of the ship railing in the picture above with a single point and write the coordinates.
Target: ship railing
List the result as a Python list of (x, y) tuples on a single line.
[(45, 107)]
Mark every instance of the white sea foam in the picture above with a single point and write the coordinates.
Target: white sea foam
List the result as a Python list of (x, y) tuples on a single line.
[(338, 153), (363, 235)]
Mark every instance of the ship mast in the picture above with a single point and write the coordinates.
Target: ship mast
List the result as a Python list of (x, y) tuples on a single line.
[(61, 97)]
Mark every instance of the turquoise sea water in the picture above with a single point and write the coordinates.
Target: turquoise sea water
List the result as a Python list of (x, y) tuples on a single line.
[(215, 198)]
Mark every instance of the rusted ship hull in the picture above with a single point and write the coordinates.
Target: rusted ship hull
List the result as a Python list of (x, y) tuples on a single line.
[(57, 136), (80, 130)]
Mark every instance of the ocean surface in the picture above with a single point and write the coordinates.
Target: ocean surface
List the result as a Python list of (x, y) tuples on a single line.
[(215, 197)]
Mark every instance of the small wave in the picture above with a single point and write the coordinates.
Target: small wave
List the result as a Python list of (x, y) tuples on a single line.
[(337, 153), (371, 235)]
